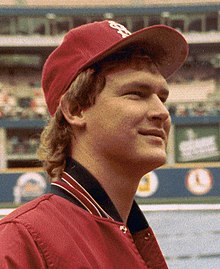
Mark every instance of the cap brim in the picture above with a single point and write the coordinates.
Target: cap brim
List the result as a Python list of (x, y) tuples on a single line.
[(166, 47)]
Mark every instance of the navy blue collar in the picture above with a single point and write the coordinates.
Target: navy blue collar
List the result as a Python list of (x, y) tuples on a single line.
[(136, 220)]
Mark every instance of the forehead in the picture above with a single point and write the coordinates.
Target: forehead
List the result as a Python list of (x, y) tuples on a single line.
[(142, 76), (137, 62)]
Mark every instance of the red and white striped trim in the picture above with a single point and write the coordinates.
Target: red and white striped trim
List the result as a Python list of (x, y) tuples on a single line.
[(59, 184), (73, 187)]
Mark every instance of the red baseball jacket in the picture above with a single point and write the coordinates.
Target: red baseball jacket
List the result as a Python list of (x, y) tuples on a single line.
[(69, 229)]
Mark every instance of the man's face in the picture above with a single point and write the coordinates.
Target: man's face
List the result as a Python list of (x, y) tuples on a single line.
[(129, 123)]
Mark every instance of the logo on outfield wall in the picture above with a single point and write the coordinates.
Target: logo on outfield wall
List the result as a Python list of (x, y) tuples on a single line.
[(199, 181), (29, 186), (148, 185), (197, 144)]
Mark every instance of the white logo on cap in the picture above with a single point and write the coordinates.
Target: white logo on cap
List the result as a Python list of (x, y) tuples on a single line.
[(121, 29)]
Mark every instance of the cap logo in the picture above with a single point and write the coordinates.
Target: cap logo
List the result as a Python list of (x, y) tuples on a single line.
[(121, 29)]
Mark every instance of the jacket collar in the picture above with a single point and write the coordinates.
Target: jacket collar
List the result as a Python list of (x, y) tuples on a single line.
[(80, 187)]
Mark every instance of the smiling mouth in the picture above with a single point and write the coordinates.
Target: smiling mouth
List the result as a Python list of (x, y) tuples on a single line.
[(155, 133)]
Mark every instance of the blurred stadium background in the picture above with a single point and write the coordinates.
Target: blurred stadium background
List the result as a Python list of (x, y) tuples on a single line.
[(31, 29)]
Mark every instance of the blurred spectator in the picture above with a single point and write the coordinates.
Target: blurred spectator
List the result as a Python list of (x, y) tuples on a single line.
[(7, 102), (217, 107), (22, 145), (15, 107), (200, 109), (38, 104), (172, 110), (181, 110), (194, 109)]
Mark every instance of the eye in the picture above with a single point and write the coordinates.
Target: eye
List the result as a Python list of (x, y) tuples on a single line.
[(135, 94)]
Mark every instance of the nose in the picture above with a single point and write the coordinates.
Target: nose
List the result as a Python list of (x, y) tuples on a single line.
[(157, 110)]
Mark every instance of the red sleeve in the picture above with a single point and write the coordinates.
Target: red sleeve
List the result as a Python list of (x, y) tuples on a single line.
[(18, 249)]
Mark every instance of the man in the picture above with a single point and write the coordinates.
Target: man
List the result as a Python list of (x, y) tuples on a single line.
[(106, 91)]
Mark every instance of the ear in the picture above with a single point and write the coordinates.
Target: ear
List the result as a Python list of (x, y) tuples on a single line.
[(76, 120)]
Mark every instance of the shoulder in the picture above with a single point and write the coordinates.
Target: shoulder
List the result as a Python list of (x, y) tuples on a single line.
[(24, 233), (22, 220), (31, 207), (19, 242), (18, 249), (44, 215)]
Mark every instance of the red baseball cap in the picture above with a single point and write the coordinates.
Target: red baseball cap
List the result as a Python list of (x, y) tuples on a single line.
[(89, 43)]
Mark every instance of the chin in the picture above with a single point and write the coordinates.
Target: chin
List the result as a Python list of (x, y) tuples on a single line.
[(155, 160)]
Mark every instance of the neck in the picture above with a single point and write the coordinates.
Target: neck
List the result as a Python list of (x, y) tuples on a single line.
[(119, 182)]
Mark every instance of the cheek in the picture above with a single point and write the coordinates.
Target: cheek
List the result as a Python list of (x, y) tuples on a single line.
[(125, 118), (116, 116)]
